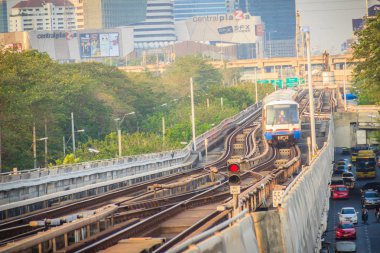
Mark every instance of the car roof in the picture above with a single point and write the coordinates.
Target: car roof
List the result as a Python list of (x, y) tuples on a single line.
[(338, 185), (370, 191), (348, 246), (348, 208)]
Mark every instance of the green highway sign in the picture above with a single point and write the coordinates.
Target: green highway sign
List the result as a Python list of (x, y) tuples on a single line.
[(294, 81)]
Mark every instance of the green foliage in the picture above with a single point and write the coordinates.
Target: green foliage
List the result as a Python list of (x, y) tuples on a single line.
[(34, 88), (177, 77), (367, 70)]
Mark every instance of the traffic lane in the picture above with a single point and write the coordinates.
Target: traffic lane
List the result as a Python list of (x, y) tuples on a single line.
[(368, 236)]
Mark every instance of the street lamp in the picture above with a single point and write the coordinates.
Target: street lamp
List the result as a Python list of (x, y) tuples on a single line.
[(35, 146), (66, 142), (119, 122), (311, 97)]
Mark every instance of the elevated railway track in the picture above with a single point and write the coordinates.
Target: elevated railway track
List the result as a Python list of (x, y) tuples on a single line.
[(137, 213)]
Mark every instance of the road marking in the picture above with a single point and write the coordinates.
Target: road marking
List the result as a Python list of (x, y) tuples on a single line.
[(367, 238)]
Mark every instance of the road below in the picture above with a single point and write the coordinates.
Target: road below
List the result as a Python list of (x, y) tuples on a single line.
[(368, 236)]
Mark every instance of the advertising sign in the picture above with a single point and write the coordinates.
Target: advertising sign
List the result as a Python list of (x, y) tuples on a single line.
[(357, 24), (238, 27), (94, 45), (373, 7)]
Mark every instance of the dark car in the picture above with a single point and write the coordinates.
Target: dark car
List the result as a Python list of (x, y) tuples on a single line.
[(343, 168), (370, 198), (371, 186), (345, 151)]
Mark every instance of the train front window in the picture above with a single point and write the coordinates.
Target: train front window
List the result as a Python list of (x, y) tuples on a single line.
[(281, 114)]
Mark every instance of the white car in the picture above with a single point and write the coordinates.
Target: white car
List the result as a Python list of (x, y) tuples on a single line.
[(348, 214)]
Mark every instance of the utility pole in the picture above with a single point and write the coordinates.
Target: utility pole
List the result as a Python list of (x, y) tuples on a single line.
[(119, 140), (298, 33), (344, 86), (192, 112), (257, 97), (221, 102), (0, 153), (64, 147), (73, 132), (311, 97), (46, 144), (34, 146), (366, 8), (163, 129)]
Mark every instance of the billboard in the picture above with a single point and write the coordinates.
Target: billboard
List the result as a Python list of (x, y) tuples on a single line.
[(357, 24), (373, 7), (238, 27), (95, 45)]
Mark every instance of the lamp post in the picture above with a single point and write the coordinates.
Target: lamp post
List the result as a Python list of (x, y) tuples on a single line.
[(119, 122), (344, 85), (35, 146), (192, 112), (66, 142), (311, 97), (257, 97)]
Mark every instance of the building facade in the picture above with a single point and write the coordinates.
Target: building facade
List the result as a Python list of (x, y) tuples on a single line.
[(78, 5), (185, 9), (123, 12), (279, 17), (158, 29), (113, 13), (3, 16), (42, 15)]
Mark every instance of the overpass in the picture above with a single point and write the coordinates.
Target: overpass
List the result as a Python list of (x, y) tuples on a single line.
[(273, 68)]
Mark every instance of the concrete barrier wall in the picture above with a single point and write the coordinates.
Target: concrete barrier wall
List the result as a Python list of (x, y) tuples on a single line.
[(240, 237), (304, 201)]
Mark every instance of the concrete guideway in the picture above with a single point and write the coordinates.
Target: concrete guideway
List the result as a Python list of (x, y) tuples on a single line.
[(295, 226)]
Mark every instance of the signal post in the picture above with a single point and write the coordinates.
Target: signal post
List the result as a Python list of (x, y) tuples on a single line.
[(234, 182)]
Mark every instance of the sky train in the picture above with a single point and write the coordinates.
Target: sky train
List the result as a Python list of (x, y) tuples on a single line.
[(280, 116)]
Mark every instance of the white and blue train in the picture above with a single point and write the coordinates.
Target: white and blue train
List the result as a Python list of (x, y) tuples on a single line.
[(281, 121)]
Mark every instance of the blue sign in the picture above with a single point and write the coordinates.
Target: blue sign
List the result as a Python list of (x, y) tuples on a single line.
[(226, 29)]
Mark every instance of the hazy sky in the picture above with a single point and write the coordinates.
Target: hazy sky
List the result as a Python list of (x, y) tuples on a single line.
[(330, 21)]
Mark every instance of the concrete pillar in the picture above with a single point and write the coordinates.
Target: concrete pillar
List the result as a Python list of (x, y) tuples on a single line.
[(66, 240), (40, 248), (88, 231), (77, 235), (54, 241)]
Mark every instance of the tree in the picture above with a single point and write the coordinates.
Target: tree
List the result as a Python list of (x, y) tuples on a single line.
[(177, 76), (367, 70)]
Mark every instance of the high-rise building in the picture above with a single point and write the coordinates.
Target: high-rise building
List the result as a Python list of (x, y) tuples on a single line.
[(184, 9), (113, 13), (78, 4), (158, 29), (123, 12), (45, 15), (279, 18), (3, 16)]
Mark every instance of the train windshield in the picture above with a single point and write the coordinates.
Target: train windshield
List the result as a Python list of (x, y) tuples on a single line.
[(281, 114)]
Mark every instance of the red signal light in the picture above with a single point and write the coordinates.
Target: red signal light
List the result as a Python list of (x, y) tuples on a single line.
[(234, 168)]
